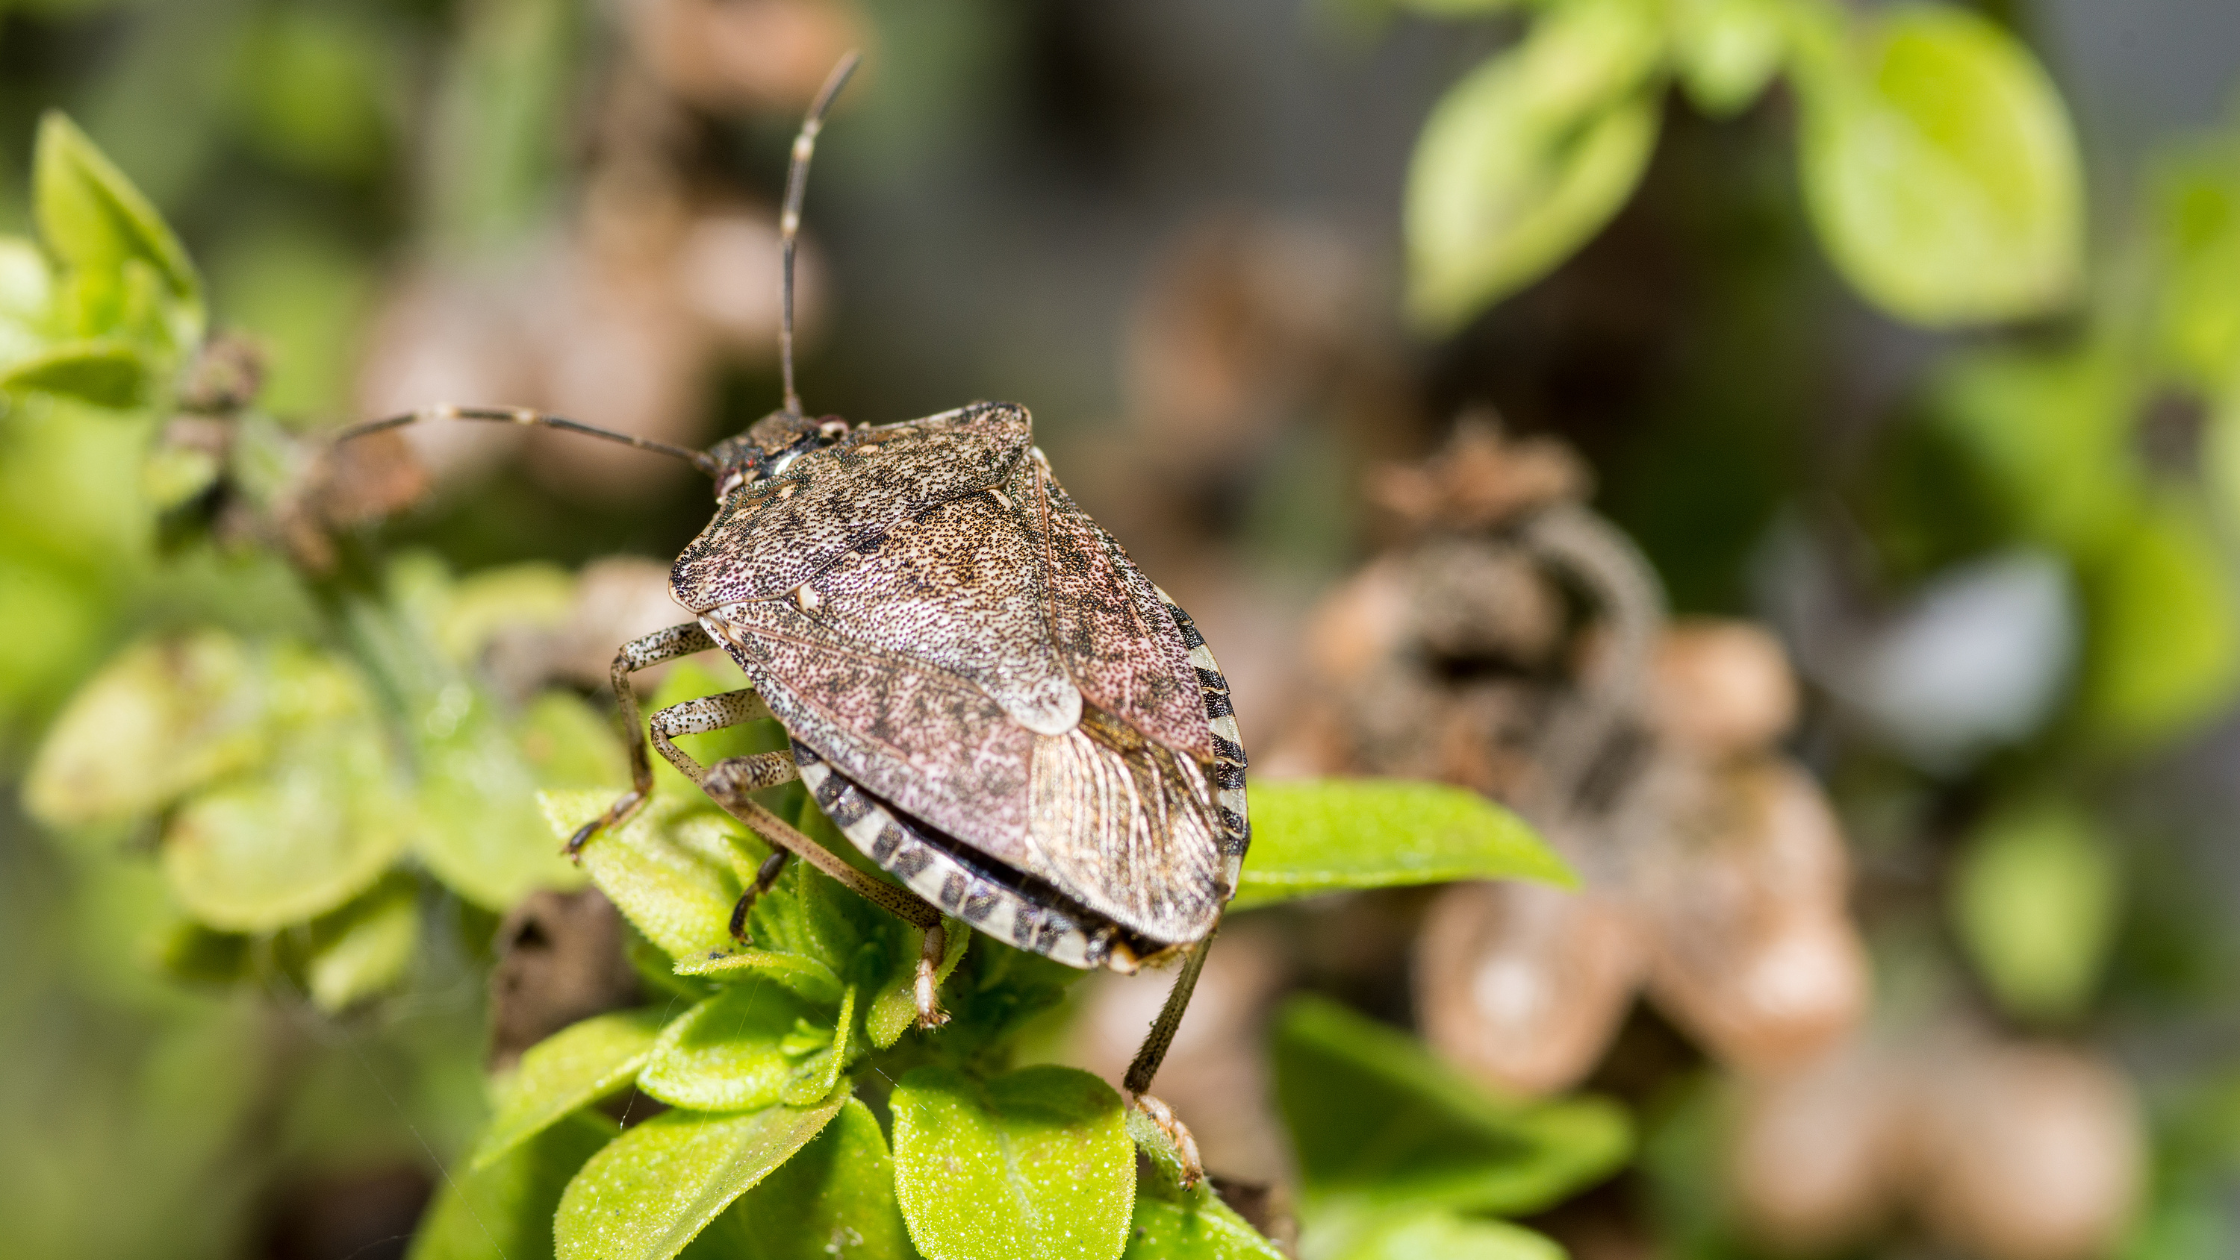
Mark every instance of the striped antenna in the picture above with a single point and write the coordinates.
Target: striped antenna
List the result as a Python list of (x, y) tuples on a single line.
[(537, 419), (789, 222)]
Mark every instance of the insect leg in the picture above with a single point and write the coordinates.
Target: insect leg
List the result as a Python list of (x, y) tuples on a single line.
[(639, 653), (730, 782), (1154, 1052)]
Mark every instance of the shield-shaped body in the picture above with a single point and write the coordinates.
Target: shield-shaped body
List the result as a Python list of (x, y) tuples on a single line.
[(982, 691)]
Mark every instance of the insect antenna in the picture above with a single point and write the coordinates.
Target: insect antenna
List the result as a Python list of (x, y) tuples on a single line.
[(789, 222), (537, 419)]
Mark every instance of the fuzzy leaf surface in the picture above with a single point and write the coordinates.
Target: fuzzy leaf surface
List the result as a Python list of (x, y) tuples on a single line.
[(1031, 1165), (733, 1052), (1322, 835), (366, 947), (503, 1210), (1172, 1223), (834, 1198), (567, 1071), (652, 1190)]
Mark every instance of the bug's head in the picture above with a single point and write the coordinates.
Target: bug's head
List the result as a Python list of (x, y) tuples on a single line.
[(766, 449)]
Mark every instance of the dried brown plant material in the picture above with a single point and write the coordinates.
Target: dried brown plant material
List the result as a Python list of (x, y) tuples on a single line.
[(743, 54), (1522, 984), (1476, 603), (1361, 624), (560, 960), (1751, 948), (1216, 1070), (365, 480), (1720, 688), (1481, 479), (2027, 1152), (1820, 1154), (226, 375)]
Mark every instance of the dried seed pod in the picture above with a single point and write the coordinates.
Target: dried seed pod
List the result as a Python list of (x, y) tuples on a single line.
[(560, 959), (1523, 984), (2027, 1152), (1819, 1154), (1477, 605), (1743, 893), (1481, 479), (1720, 688)]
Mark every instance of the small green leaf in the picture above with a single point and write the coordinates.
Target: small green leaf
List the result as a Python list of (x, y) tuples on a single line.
[(657, 1186), (1031, 1165), (164, 717), (1171, 1223), (2053, 436), (567, 745), (806, 976), (2034, 898), (567, 1071), (95, 220), (366, 947), (308, 830), (895, 1009), (673, 874), (100, 371), (1321, 835), (1940, 169), (483, 605), (1526, 158), (503, 1210), (1727, 50), (2163, 637), (1378, 1123), (833, 1198), (726, 1055), (819, 1075), (479, 827)]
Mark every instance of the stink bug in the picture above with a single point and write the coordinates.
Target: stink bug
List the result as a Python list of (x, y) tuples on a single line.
[(980, 689)]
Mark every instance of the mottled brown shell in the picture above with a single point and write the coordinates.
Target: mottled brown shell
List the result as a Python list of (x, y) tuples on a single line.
[(924, 607)]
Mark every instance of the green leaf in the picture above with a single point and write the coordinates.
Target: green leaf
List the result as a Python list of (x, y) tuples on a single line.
[(1727, 50), (652, 1189), (480, 831), (1940, 170), (308, 830), (1526, 158), (1430, 1236), (673, 874), (1173, 1223), (567, 1071), (817, 1077), (806, 976), (833, 1198), (95, 220), (1379, 1123), (366, 947), (101, 371), (895, 1009), (163, 718), (2163, 636), (484, 605), (2034, 897), (2196, 205), (1032, 1165), (503, 1210), (1321, 835), (735, 1051)]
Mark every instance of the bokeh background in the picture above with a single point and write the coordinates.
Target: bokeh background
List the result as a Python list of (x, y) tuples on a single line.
[(1175, 232)]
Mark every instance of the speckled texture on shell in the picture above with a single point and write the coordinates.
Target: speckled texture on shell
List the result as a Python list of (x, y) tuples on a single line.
[(931, 613)]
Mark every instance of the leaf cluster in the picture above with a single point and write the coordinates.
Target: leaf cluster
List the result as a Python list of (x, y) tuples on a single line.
[(804, 1112), (1936, 161)]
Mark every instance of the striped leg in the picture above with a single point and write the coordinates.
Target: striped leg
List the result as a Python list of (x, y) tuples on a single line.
[(730, 782), (637, 654), (1154, 1052)]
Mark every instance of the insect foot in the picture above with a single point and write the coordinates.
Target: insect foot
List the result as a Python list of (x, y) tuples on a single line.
[(617, 814), (930, 1014), (1160, 1114)]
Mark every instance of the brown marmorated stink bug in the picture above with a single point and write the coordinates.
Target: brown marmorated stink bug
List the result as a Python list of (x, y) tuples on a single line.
[(980, 689)]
